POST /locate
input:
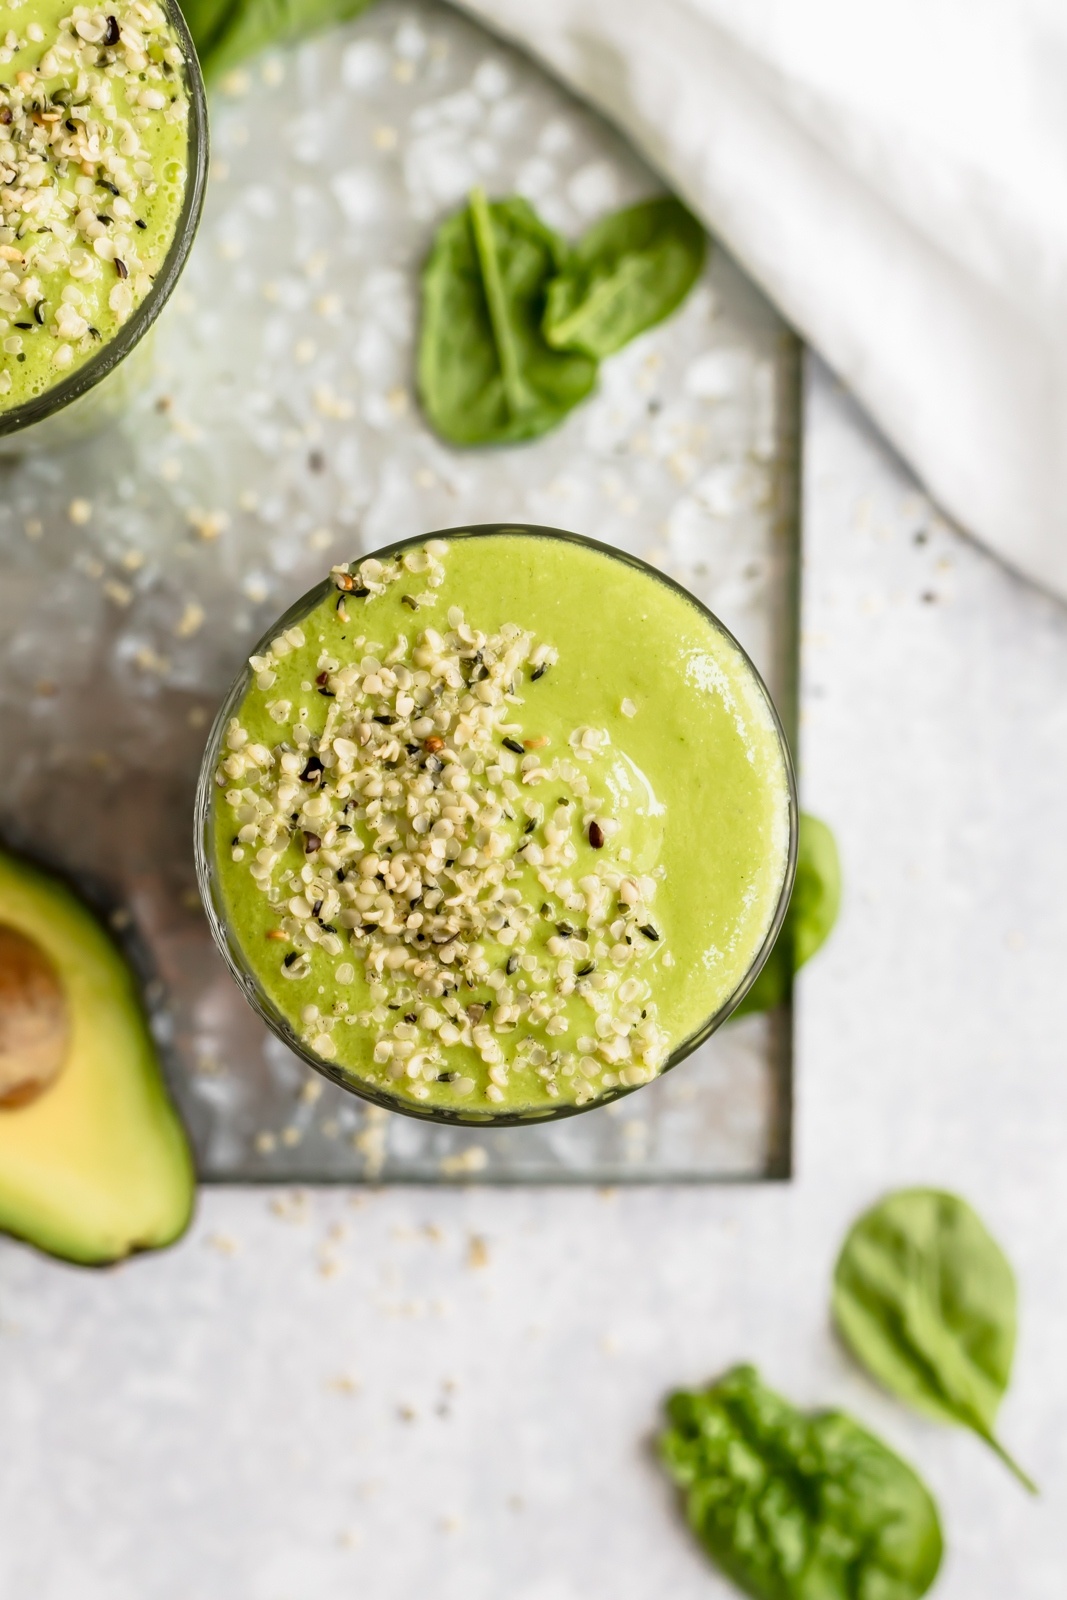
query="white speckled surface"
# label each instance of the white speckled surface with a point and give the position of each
(265, 1413)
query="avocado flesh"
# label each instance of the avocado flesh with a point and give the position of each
(97, 1165)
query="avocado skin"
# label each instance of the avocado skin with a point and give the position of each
(99, 1165)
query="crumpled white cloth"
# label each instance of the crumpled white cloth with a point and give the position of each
(894, 174)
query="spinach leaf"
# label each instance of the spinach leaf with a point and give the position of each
(206, 19)
(628, 273)
(925, 1298)
(796, 1506)
(812, 913)
(226, 31)
(486, 374)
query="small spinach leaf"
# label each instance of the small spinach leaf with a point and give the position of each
(206, 20)
(812, 913)
(796, 1506)
(486, 374)
(226, 31)
(628, 273)
(925, 1298)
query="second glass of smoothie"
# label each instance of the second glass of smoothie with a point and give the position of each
(496, 825)
(103, 157)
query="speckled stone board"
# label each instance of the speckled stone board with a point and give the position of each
(280, 433)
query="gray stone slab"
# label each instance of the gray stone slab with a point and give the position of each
(280, 434)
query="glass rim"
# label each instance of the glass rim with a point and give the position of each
(233, 953)
(84, 378)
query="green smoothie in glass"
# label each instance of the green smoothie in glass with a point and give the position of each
(94, 156)
(500, 824)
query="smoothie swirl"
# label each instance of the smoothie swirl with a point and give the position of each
(93, 151)
(454, 851)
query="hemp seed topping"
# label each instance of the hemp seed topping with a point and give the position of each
(410, 853)
(78, 127)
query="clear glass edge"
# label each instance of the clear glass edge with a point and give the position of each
(55, 399)
(264, 1006)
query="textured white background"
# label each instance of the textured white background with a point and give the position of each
(352, 1398)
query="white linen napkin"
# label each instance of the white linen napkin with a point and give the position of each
(894, 174)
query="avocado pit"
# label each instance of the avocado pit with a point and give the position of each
(34, 1020)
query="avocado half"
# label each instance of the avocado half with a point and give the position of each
(94, 1161)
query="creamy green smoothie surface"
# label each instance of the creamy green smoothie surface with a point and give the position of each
(500, 823)
(93, 153)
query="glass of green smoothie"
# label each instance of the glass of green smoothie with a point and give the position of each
(496, 825)
(103, 159)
